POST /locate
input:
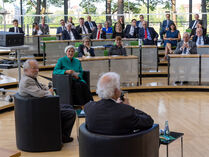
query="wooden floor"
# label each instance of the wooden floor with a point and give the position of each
(186, 112)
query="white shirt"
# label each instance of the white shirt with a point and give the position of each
(140, 24)
(131, 32)
(194, 25)
(16, 30)
(71, 35)
(187, 49)
(84, 27)
(91, 25)
(201, 42)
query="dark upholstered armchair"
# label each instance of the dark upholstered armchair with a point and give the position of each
(38, 124)
(140, 144)
(63, 84)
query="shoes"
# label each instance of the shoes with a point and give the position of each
(67, 140)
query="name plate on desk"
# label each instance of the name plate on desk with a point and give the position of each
(11, 39)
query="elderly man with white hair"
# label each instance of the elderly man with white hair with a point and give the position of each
(70, 33)
(186, 46)
(110, 115)
(29, 86)
(199, 38)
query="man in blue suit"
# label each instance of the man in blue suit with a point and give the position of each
(91, 25)
(62, 27)
(165, 25)
(148, 34)
(139, 23)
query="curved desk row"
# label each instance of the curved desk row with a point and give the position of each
(125, 66)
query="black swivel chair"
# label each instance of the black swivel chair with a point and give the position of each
(140, 144)
(63, 83)
(38, 123)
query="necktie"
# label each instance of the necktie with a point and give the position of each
(16, 29)
(91, 25)
(194, 25)
(145, 34)
(167, 24)
(84, 30)
(199, 41)
(69, 35)
(98, 36)
(185, 50)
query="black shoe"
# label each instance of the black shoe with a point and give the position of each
(67, 140)
(185, 82)
(177, 82)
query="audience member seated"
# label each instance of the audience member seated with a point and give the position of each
(147, 34)
(98, 33)
(199, 25)
(70, 21)
(165, 26)
(70, 65)
(44, 27)
(171, 38)
(62, 27)
(85, 48)
(121, 22)
(107, 28)
(36, 29)
(139, 23)
(70, 34)
(118, 31)
(111, 115)
(199, 38)
(90, 25)
(193, 23)
(29, 86)
(186, 46)
(16, 29)
(117, 49)
(81, 28)
(131, 31)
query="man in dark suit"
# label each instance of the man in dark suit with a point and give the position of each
(147, 34)
(112, 115)
(131, 31)
(43, 26)
(98, 33)
(118, 48)
(199, 38)
(193, 23)
(81, 28)
(62, 27)
(91, 25)
(186, 46)
(16, 29)
(165, 25)
(70, 34)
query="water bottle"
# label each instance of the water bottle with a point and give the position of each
(166, 130)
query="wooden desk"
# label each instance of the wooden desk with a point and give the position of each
(9, 153)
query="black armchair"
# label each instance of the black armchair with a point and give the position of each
(38, 123)
(140, 144)
(63, 84)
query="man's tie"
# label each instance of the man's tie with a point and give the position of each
(145, 34)
(167, 24)
(69, 35)
(98, 36)
(91, 25)
(199, 41)
(185, 50)
(16, 29)
(84, 30)
(37, 83)
(194, 25)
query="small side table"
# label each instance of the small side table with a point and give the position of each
(176, 135)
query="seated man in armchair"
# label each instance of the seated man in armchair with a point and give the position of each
(111, 115)
(29, 86)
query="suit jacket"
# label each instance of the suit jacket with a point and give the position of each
(30, 87)
(81, 51)
(79, 29)
(192, 45)
(94, 34)
(111, 118)
(44, 29)
(127, 30)
(66, 36)
(12, 29)
(115, 34)
(115, 50)
(194, 31)
(164, 24)
(137, 23)
(153, 33)
(205, 39)
(59, 30)
(88, 27)
(192, 23)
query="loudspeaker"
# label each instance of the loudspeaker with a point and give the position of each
(8, 39)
